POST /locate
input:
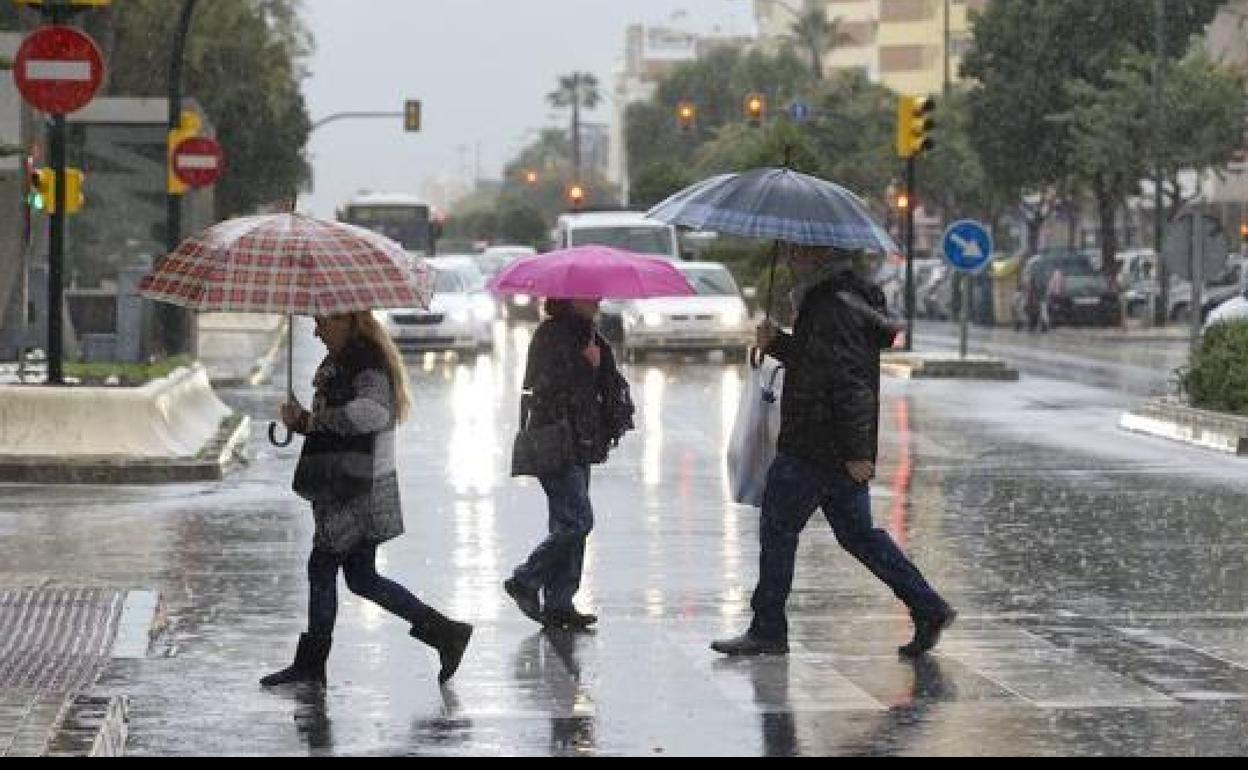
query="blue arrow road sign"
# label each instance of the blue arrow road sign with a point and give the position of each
(799, 111)
(967, 246)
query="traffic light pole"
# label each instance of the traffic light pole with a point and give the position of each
(56, 233)
(174, 321)
(908, 224)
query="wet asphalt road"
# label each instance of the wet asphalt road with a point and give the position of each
(1100, 576)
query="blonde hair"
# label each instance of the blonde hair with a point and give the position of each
(365, 326)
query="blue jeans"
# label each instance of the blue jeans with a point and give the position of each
(794, 490)
(359, 566)
(555, 565)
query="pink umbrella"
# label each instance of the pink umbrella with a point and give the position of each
(591, 272)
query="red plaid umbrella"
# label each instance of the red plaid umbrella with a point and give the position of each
(289, 264)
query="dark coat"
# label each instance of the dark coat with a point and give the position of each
(830, 408)
(563, 385)
(347, 467)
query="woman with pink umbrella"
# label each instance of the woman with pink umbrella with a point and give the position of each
(574, 407)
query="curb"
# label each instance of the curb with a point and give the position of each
(913, 367)
(1168, 419)
(211, 464)
(94, 726)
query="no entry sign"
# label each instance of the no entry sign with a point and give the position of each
(58, 69)
(197, 161)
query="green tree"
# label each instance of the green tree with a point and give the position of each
(657, 181)
(576, 91)
(518, 221)
(1024, 55)
(244, 61)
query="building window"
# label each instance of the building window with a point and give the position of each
(907, 10)
(857, 33)
(902, 58)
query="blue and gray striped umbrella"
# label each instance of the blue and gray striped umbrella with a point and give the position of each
(777, 204)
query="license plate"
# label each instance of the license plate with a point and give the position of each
(1087, 301)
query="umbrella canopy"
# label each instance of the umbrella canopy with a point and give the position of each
(777, 204)
(289, 264)
(591, 272)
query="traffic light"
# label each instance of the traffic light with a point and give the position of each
(755, 106)
(914, 124)
(188, 126)
(576, 196)
(1243, 231)
(686, 116)
(411, 115)
(42, 189)
(530, 177)
(903, 202)
(42, 196)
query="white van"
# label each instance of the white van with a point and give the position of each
(627, 230)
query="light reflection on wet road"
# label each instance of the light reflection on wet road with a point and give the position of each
(1101, 579)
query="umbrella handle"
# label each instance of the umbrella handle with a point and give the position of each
(756, 357)
(290, 436)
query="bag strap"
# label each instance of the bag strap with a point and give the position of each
(526, 407)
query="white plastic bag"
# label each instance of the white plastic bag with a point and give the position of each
(752, 446)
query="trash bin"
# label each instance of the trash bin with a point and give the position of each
(1005, 277)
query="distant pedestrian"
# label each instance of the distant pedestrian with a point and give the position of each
(827, 449)
(571, 377)
(347, 471)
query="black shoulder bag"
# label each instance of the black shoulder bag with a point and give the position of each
(543, 450)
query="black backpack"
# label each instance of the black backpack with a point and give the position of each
(617, 405)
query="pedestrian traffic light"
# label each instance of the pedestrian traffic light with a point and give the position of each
(576, 196)
(42, 196)
(903, 202)
(42, 187)
(755, 106)
(188, 126)
(914, 124)
(686, 116)
(411, 115)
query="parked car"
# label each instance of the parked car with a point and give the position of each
(1236, 307)
(1079, 295)
(715, 318)
(460, 317)
(1220, 288)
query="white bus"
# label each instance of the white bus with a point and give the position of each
(404, 218)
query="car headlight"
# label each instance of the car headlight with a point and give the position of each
(483, 310)
(522, 300)
(732, 317)
(460, 316)
(653, 319)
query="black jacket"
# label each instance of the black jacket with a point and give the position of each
(563, 385)
(830, 408)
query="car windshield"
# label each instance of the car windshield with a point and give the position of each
(448, 281)
(490, 264)
(711, 281)
(642, 239)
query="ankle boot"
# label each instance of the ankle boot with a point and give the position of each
(450, 639)
(309, 665)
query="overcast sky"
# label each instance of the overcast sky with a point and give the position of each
(482, 69)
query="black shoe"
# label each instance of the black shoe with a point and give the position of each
(746, 644)
(309, 665)
(927, 630)
(570, 618)
(451, 650)
(526, 599)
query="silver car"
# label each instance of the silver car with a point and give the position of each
(459, 317)
(715, 318)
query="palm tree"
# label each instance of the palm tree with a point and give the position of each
(580, 89)
(817, 34)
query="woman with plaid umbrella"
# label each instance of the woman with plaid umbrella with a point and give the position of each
(297, 265)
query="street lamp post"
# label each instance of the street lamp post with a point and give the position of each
(1161, 309)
